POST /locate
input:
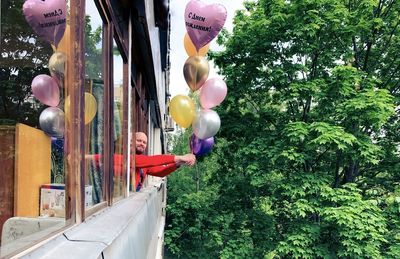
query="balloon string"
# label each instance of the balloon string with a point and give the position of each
(197, 178)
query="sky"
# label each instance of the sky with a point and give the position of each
(178, 29)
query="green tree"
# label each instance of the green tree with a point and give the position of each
(93, 52)
(316, 173)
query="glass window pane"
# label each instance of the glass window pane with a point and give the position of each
(119, 175)
(94, 109)
(32, 171)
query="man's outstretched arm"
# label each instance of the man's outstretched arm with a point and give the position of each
(143, 161)
(162, 170)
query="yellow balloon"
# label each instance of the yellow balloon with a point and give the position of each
(191, 49)
(65, 43)
(182, 110)
(195, 71)
(90, 107)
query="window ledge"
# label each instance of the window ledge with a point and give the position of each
(131, 225)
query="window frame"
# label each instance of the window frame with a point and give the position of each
(111, 32)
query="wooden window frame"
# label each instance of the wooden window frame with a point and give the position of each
(74, 139)
(112, 32)
(75, 206)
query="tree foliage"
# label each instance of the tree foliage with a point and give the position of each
(23, 56)
(307, 160)
(93, 52)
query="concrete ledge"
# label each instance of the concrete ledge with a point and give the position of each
(20, 232)
(125, 230)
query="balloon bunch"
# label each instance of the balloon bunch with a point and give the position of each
(203, 23)
(48, 18)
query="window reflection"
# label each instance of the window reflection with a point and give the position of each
(119, 175)
(32, 171)
(94, 109)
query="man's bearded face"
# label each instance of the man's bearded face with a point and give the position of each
(141, 143)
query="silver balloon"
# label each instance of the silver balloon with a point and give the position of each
(52, 121)
(206, 124)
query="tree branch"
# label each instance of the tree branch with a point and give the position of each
(339, 159)
(388, 8)
(371, 39)
(355, 50)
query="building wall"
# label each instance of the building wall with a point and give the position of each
(154, 33)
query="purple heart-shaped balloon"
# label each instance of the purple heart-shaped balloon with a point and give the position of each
(47, 18)
(204, 22)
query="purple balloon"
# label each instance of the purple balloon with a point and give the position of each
(201, 147)
(46, 90)
(47, 18)
(204, 22)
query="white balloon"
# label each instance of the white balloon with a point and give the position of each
(206, 124)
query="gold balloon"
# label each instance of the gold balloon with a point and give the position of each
(57, 64)
(65, 43)
(90, 107)
(196, 71)
(191, 49)
(64, 46)
(182, 110)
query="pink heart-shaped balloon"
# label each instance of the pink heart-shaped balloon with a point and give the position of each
(47, 18)
(203, 22)
(46, 90)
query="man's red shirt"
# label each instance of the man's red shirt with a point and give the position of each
(157, 165)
